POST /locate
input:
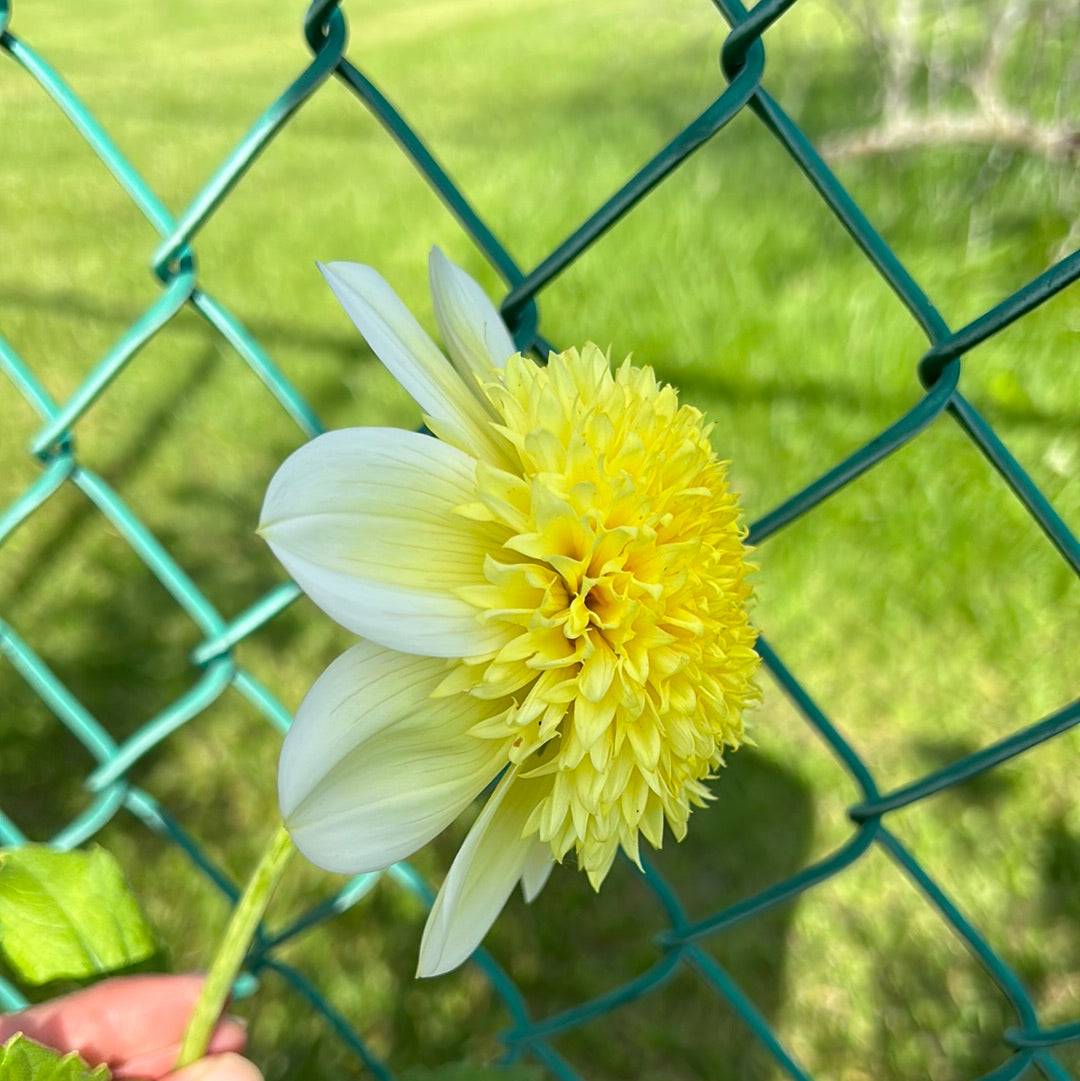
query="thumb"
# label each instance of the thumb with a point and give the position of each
(225, 1067)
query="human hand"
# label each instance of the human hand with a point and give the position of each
(134, 1024)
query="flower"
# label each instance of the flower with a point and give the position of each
(551, 592)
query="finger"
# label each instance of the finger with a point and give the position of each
(227, 1067)
(229, 1036)
(124, 1019)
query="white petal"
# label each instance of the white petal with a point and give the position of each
(470, 324)
(410, 355)
(490, 862)
(363, 520)
(537, 871)
(373, 767)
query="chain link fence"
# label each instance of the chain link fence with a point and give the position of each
(1028, 1045)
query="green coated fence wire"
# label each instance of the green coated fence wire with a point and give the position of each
(1029, 1046)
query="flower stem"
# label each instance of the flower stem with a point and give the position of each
(233, 947)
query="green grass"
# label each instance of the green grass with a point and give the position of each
(920, 606)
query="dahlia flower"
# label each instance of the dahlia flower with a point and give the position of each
(549, 594)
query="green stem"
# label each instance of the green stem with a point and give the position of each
(233, 948)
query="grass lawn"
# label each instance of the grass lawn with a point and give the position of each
(920, 607)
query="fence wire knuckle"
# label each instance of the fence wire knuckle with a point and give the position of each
(1027, 1043)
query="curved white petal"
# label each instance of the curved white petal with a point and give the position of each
(373, 767)
(410, 355)
(537, 871)
(470, 324)
(363, 520)
(489, 863)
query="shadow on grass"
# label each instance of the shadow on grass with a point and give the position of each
(744, 389)
(1059, 862)
(577, 945)
(90, 610)
(939, 1011)
(86, 589)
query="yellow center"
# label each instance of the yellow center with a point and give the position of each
(621, 586)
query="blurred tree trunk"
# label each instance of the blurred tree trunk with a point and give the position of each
(957, 71)
(999, 74)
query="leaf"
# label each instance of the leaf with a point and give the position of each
(68, 915)
(22, 1059)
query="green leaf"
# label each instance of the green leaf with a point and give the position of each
(68, 915)
(24, 1060)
